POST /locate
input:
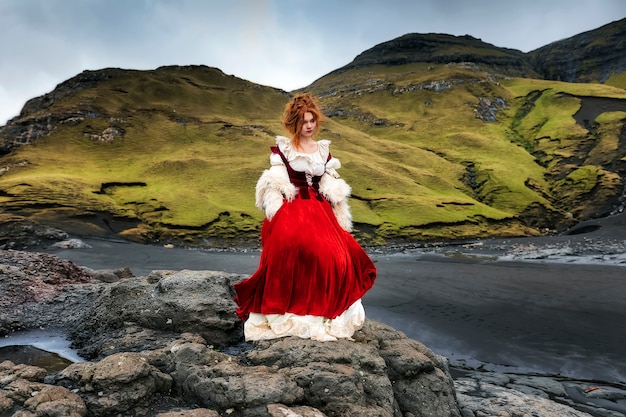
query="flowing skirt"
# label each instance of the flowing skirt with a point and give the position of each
(311, 276)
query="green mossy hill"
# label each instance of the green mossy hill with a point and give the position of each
(167, 154)
(450, 149)
(595, 56)
(476, 153)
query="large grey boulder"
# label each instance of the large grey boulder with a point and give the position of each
(380, 373)
(140, 313)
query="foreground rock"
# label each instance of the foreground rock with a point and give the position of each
(35, 290)
(170, 344)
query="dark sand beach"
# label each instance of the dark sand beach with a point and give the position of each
(550, 305)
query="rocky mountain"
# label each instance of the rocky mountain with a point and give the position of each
(595, 56)
(444, 49)
(441, 137)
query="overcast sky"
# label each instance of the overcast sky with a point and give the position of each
(286, 44)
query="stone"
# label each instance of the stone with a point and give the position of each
(198, 412)
(54, 401)
(280, 410)
(150, 312)
(485, 399)
(23, 392)
(215, 379)
(10, 372)
(111, 275)
(123, 383)
(71, 244)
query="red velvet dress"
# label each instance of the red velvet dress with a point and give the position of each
(311, 270)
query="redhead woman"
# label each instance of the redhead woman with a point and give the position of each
(312, 273)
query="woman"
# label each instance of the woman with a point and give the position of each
(312, 272)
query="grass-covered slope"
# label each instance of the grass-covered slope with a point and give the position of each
(430, 150)
(175, 148)
(480, 154)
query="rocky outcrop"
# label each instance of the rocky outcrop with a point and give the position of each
(498, 394)
(35, 121)
(175, 335)
(170, 344)
(148, 312)
(591, 56)
(41, 280)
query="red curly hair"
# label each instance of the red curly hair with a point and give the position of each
(293, 115)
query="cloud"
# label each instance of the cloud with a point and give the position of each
(281, 43)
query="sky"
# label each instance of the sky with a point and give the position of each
(286, 44)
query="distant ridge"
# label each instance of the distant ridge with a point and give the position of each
(597, 55)
(442, 48)
(594, 56)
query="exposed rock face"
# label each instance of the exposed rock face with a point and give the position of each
(35, 279)
(588, 57)
(157, 336)
(118, 384)
(509, 395)
(24, 392)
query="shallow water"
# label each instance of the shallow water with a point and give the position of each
(30, 355)
(45, 348)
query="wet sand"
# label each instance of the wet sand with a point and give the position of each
(548, 318)
(559, 317)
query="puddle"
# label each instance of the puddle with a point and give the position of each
(45, 348)
(30, 355)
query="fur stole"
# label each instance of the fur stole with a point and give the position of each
(272, 188)
(337, 191)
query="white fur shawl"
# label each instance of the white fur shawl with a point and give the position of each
(272, 188)
(337, 191)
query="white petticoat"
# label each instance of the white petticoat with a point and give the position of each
(272, 326)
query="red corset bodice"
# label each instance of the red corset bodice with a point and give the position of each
(306, 184)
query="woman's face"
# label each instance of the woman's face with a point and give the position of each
(308, 127)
